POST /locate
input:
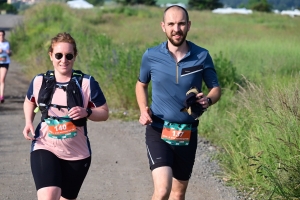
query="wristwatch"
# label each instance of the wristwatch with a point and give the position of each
(89, 112)
(209, 101)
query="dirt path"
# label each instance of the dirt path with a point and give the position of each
(119, 169)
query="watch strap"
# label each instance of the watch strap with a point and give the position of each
(89, 112)
(209, 101)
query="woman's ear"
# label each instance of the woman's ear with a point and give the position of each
(50, 55)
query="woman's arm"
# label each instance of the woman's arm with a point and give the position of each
(29, 117)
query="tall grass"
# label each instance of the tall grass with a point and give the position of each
(261, 139)
(256, 122)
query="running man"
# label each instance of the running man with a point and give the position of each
(174, 67)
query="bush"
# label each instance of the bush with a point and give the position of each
(227, 74)
(8, 8)
(260, 5)
(137, 2)
(204, 4)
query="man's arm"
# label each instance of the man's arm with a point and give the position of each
(141, 92)
(214, 94)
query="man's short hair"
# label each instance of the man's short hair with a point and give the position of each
(185, 11)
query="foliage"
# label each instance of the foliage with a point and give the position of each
(227, 74)
(284, 120)
(128, 11)
(262, 142)
(204, 4)
(260, 5)
(96, 2)
(276, 4)
(137, 2)
(8, 8)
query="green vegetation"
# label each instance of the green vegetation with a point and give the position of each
(276, 4)
(256, 123)
(7, 8)
(260, 5)
(204, 5)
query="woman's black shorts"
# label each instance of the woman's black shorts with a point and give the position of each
(4, 65)
(49, 170)
(180, 158)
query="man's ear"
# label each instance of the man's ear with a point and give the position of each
(162, 24)
(189, 25)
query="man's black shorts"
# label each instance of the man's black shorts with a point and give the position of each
(180, 158)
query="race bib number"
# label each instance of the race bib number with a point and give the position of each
(61, 129)
(176, 134)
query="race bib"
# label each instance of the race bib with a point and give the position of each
(61, 129)
(3, 58)
(176, 134)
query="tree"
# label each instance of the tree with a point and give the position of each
(260, 5)
(8, 8)
(136, 2)
(205, 4)
(276, 4)
(96, 2)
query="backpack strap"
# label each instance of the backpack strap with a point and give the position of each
(75, 96)
(46, 93)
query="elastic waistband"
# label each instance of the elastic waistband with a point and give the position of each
(160, 121)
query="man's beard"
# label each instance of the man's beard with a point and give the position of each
(177, 43)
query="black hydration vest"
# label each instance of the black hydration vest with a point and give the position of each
(73, 92)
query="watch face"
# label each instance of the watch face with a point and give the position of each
(89, 111)
(209, 101)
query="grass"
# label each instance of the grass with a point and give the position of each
(255, 125)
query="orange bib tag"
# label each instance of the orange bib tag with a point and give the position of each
(2, 58)
(176, 134)
(61, 129)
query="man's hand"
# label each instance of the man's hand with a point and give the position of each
(145, 117)
(202, 100)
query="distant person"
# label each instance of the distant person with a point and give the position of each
(5, 52)
(60, 152)
(176, 68)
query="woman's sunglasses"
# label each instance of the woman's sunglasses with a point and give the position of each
(59, 56)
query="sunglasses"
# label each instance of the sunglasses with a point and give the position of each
(59, 56)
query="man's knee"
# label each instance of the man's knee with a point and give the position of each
(177, 195)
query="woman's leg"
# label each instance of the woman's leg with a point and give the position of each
(46, 171)
(3, 72)
(73, 175)
(49, 193)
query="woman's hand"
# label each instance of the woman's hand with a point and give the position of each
(77, 113)
(27, 130)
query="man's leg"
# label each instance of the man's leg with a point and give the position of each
(162, 179)
(178, 189)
